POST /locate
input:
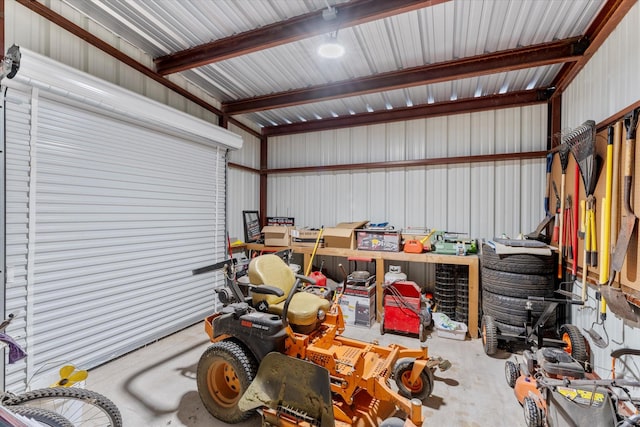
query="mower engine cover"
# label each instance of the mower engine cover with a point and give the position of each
(557, 362)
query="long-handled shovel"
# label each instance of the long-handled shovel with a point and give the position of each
(615, 297)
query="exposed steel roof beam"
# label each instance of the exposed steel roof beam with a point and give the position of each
(467, 105)
(497, 62)
(294, 29)
(602, 26)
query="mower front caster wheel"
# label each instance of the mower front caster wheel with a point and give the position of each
(511, 373)
(420, 389)
(532, 413)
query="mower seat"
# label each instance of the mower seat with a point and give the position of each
(271, 270)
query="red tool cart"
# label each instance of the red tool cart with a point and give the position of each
(406, 311)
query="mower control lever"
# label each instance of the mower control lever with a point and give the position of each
(267, 290)
(306, 279)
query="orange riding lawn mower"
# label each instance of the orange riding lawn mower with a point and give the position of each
(280, 351)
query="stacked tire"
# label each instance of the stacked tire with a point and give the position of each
(507, 283)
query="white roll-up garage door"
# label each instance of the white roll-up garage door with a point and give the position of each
(111, 201)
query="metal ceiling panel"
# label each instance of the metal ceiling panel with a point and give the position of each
(532, 78)
(443, 32)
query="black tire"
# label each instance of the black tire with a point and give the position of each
(532, 414)
(511, 373)
(517, 285)
(575, 343)
(43, 416)
(517, 263)
(97, 410)
(512, 311)
(392, 422)
(489, 335)
(224, 373)
(423, 386)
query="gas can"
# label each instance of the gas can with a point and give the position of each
(394, 274)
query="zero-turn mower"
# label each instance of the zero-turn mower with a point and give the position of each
(281, 351)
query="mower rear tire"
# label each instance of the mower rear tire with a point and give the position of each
(224, 373)
(511, 373)
(532, 414)
(422, 387)
(489, 335)
(575, 343)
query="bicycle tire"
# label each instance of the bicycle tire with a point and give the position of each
(81, 407)
(43, 416)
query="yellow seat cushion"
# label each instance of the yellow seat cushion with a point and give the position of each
(303, 309)
(273, 271)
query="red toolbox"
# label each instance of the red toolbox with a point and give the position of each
(402, 303)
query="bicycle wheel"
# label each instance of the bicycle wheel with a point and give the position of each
(43, 416)
(82, 407)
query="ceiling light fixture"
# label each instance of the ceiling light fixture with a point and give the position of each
(330, 48)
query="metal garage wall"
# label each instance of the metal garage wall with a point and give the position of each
(112, 200)
(482, 199)
(607, 84)
(243, 185)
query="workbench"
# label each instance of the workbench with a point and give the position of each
(472, 261)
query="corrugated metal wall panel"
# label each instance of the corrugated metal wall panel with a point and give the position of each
(609, 82)
(26, 29)
(480, 199)
(243, 186)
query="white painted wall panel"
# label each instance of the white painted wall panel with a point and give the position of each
(609, 82)
(243, 186)
(482, 199)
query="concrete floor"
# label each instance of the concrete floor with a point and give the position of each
(156, 386)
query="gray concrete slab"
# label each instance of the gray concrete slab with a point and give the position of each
(156, 386)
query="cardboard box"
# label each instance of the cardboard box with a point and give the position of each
(358, 305)
(378, 240)
(276, 235)
(342, 235)
(303, 237)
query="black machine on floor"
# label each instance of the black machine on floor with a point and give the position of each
(534, 334)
